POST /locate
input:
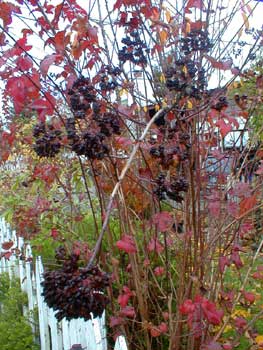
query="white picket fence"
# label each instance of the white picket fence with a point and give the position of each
(54, 335)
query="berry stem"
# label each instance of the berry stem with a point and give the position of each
(118, 184)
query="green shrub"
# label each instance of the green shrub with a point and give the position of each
(15, 329)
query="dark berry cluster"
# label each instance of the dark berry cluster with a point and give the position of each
(220, 104)
(186, 78)
(107, 84)
(82, 94)
(170, 189)
(196, 40)
(134, 49)
(73, 291)
(47, 140)
(90, 144)
(89, 136)
(108, 122)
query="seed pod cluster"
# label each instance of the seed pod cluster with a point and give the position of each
(74, 291)
(47, 140)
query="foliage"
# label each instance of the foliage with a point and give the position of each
(113, 146)
(247, 93)
(15, 328)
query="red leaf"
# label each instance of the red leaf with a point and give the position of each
(259, 82)
(187, 307)
(241, 189)
(60, 41)
(6, 10)
(223, 262)
(6, 255)
(159, 271)
(116, 321)
(213, 345)
(248, 204)
(127, 244)
(163, 220)
(24, 63)
(257, 276)
(198, 4)
(250, 297)
(54, 233)
(235, 258)
(124, 298)
(212, 315)
(240, 324)
(223, 65)
(155, 332)
(43, 107)
(163, 327)
(224, 127)
(128, 311)
(7, 245)
(214, 208)
(123, 141)
(47, 62)
(16, 88)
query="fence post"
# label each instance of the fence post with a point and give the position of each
(42, 309)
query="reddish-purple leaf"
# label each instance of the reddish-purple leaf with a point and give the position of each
(127, 244)
(163, 220)
(163, 327)
(54, 233)
(24, 63)
(259, 82)
(240, 324)
(48, 61)
(198, 4)
(249, 296)
(116, 321)
(155, 246)
(223, 65)
(258, 276)
(159, 271)
(213, 315)
(213, 345)
(223, 262)
(123, 298)
(7, 245)
(235, 258)
(187, 307)
(6, 255)
(6, 11)
(128, 311)
(214, 208)
(224, 127)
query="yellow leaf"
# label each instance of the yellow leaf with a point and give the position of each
(228, 328)
(162, 78)
(246, 23)
(188, 27)
(242, 313)
(168, 16)
(163, 36)
(189, 104)
(240, 32)
(123, 92)
(156, 107)
(259, 340)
